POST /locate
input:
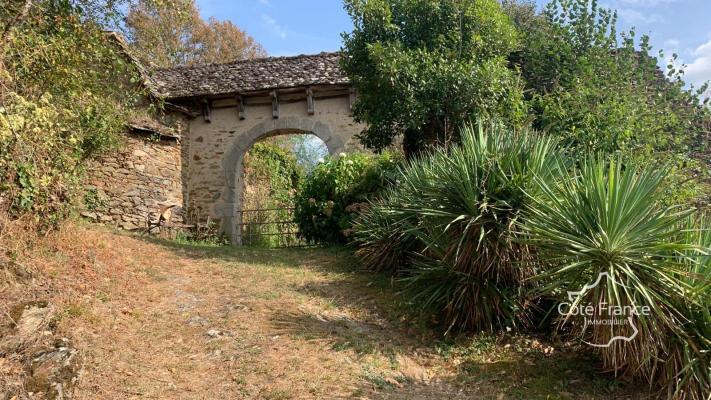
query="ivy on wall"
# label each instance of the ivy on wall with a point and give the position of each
(66, 91)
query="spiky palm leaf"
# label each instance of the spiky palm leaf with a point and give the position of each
(687, 371)
(461, 206)
(604, 218)
(383, 237)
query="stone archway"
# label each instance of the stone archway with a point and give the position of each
(232, 194)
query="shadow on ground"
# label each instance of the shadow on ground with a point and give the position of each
(319, 256)
(399, 355)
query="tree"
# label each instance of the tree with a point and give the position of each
(66, 93)
(422, 68)
(11, 15)
(171, 33)
(602, 91)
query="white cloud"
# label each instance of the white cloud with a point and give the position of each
(704, 49)
(698, 71)
(633, 16)
(264, 2)
(671, 44)
(648, 2)
(670, 47)
(274, 26)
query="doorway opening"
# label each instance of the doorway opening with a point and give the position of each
(273, 169)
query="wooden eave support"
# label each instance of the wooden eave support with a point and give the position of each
(275, 104)
(207, 110)
(241, 107)
(310, 104)
(351, 98)
(187, 111)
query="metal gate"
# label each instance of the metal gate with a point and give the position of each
(270, 227)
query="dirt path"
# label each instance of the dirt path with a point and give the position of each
(208, 324)
(158, 320)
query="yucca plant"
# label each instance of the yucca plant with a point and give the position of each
(385, 233)
(606, 219)
(457, 211)
(383, 237)
(686, 374)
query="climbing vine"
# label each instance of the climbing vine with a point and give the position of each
(66, 90)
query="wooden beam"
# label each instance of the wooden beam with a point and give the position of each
(351, 98)
(189, 111)
(275, 104)
(310, 106)
(241, 107)
(207, 110)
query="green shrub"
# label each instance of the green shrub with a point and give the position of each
(66, 90)
(423, 68)
(272, 176)
(481, 232)
(450, 226)
(38, 166)
(330, 196)
(276, 169)
(93, 200)
(606, 218)
(600, 90)
(384, 237)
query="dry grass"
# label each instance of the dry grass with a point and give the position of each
(282, 324)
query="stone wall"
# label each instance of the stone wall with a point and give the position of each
(215, 149)
(125, 188)
(201, 173)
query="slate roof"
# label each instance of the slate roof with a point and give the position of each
(143, 69)
(249, 75)
(150, 126)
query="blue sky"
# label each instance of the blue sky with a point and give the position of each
(290, 27)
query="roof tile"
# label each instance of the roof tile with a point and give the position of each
(250, 75)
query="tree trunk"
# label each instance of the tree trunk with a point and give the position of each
(430, 136)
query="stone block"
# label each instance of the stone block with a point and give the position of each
(89, 214)
(54, 372)
(129, 226)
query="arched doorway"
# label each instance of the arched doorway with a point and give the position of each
(234, 162)
(274, 170)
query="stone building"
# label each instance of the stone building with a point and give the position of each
(220, 110)
(129, 187)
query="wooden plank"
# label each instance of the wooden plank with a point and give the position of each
(270, 223)
(189, 111)
(275, 104)
(241, 107)
(262, 100)
(298, 90)
(310, 105)
(351, 98)
(207, 110)
(256, 93)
